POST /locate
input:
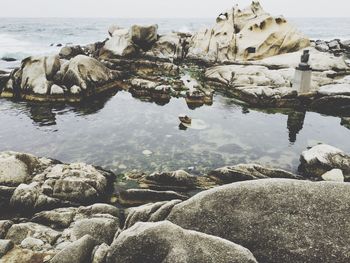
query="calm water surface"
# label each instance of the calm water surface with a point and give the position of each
(113, 132)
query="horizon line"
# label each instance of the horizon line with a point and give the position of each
(110, 17)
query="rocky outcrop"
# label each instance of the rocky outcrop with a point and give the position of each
(335, 46)
(278, 220)
(247, 34)
(49, 78)
(318, 160)
(129, 42)
(166, 242)
(43, 183)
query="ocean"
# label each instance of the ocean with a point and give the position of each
(22, 37)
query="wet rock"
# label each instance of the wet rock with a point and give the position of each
(331, 104)
(144, 36)
(278, 220)
(166, 242)
(101, 229)
(247, 34)
(135, 197)
(18, 232)
(322, 158)
(345, 122)
(5, 246)
(152, 212)
(78, 252)
(177, 180)
(244, 172)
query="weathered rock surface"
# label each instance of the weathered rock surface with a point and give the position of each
(166, 242)
(78, 252)
(278, 220)
(43, 183)
(244, 172)
(135, 197)
(5, 246)
(177, 180)
(247, 34)
(322, 158)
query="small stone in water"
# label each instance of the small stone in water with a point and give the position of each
(122, 166)
(146, 152)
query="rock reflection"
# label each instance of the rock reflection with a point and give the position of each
(295, 124)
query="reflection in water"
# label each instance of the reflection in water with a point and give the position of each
(295, 124)
(114, 131)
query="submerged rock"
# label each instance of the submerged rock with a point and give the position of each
(278, 220)
(166, 242)
(247, 34)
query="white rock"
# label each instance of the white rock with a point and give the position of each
(335, 89)
(75, 89)
(335, 175)
(147, 152)
(56, 90)
(320, 153)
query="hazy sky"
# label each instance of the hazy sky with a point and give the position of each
(165, 8)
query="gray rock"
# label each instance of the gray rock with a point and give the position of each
(32, 243)
(322, 158)
(334, 44)
(278, 220)
(69, 52)
(18, 232)
(177, 180)
(243, 172)
(345, 122)
(323, 47)
(135, 197)
(100, 254)
(166, 242)
(5, 246)
(153, 212)
(78, 252)
(57, 218)
(101, 229)
(334, 90)
(331, 104)
(4, 227)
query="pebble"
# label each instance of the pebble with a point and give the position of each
(147, 152)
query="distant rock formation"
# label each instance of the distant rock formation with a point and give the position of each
(247, 34)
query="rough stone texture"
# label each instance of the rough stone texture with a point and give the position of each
(177, 180)
(87, 73)
(278, 220)
(237, 31)
(4, 227)
(17, 168)
(101, 229)
(18, 232)
(167, 46)
(318, 60)
(334, 90)
(152, 212)
(244, 172)
(78, 252)
(144, 36)
(100, 254)
(166, 242)
(322, 158)
(5, 246)
(119, 44)
(35, 76)
(135, 197)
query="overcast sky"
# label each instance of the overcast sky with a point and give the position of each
(166, 8)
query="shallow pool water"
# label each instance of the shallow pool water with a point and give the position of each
(122, 133)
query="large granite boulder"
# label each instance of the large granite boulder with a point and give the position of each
(278, 220)
(166, 242)
(129, 42)
(88, 74)
(323, 158)
(247, 34)
(35, 76)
